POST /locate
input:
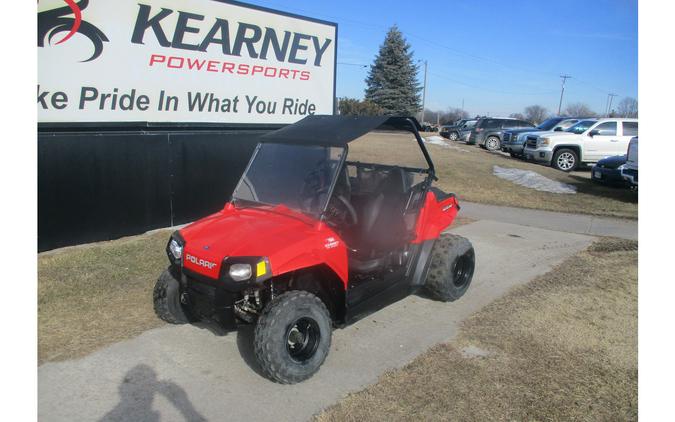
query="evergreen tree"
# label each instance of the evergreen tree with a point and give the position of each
(392, 80)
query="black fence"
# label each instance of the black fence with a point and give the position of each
(102, 185)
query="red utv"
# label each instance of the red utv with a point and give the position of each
(310, 241)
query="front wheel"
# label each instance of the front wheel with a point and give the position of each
(454, 136)
(565, 159)
(292, 337)
(452, 264)
(492, 143)
(166, 300)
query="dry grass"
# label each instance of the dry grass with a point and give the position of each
(467, 171)
(563, 347)
(93, 295)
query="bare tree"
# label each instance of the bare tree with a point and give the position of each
(452, 115)
(579, 110)
(628, 107)
(535, 114)
(519, 116)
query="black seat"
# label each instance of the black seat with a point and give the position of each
(381, 223)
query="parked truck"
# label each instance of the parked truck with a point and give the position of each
(586, 142)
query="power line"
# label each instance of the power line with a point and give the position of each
(352, 64)
(489, 89)
(503, 66)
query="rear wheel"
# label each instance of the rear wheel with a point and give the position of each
(292, 337)
(166, 300)
(492, 143)
(452, 264)
(453, 136)
(565, 159)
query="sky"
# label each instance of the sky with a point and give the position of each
(495, 56)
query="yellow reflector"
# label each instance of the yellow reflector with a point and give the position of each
(260, 269)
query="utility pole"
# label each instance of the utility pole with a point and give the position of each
(562, 91)
(424, 91)
(610, 99)
(462, 107)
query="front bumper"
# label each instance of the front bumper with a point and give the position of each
(606, 175)
(210, 300)
(513, 148)
(538, 154)
(630, 175)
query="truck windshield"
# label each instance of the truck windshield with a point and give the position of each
(581, 127)
(297, 176)
(548, 124)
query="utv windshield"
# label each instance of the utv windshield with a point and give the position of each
(297, 176)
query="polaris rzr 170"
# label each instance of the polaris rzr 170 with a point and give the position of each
(311, 240)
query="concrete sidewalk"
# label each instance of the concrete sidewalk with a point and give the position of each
(187, 373)
(558, 221)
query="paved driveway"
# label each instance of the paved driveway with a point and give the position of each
(186, 373)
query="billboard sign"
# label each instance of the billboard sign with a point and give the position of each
(197, 61)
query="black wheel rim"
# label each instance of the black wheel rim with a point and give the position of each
(302, 339)
(463, 269)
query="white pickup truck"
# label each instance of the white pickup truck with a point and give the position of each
(588, 141)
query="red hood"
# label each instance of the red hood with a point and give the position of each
(284, 236)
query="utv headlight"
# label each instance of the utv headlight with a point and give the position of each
(176, 249)
(252, 269)
(240, 272)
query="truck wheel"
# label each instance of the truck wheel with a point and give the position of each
(292, 337)
(452, 264)
(492, 143)
(166, 298)
(453, 136)
(565, 159)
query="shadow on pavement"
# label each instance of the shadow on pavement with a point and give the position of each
(245, 335)
(137, 393)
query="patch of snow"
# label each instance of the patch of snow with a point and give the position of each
(474, 352)
(533, 180)
(440, 141)
(436, 140)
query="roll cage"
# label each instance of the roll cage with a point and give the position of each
(339, 131)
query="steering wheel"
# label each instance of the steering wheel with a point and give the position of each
(316, 183)
(341, 211)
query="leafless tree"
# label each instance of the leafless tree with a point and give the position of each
(628, 107)
(519, 116)
(579, 110)
(452, 115)
(535, 114)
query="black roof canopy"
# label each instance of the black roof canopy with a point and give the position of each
(338, 130)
